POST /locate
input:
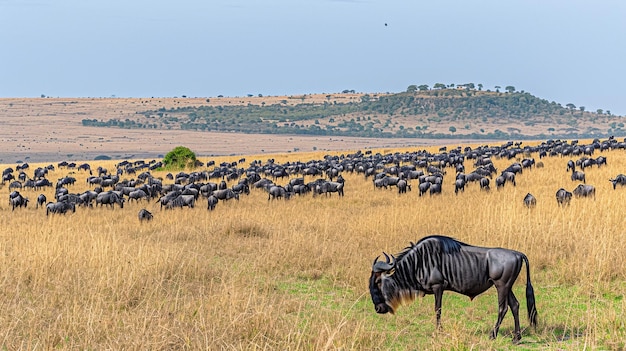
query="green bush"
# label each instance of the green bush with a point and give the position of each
(179, 158)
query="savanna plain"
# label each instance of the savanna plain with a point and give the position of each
(259, 274)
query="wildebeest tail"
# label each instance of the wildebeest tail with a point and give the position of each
(530, 296)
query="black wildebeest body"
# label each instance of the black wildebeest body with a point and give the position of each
(41, 200)
(226, 194)
(584, 190)
(212, 202)
(484, 183)
(620, 179)
(578, 175)
(563, 197)
(60, 207)
(109, 198)
(438, 263)
(530, 200)
(423, 188)
(17, 200)
(144, 215)
(181, 201)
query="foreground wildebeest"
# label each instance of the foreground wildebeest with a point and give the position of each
(563, 197)
(60, 207)
(226, 194)
(530, 200)
(439, 263)
(584, 190)
(620, 179)
(144, 215)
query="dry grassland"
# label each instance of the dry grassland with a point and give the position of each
(292, 275)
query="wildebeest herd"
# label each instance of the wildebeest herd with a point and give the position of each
(211, 184)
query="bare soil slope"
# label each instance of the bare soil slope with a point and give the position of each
(50, 129)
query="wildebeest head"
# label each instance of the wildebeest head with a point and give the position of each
(380, 271)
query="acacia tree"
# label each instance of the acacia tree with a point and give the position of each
(179, 158)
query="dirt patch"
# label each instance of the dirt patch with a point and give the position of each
(50, 129)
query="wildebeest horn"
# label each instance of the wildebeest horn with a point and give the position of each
(380, 266)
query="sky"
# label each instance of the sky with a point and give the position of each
(568, 51)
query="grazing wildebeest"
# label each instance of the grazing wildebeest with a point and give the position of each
(423, 188)
(530, 200)
(435, 189)
(144, 215)
(500, 180)
(277, 191)
(138, 195)
(571, 165)
(226, 194)
(212, 202)
(439, 263)
(181, 201)
(403, 185)
(563, 197)
(620, 179)
(584, 190)
(41, 200)
(578, 175)
(484, 183)
(17, 200)
(327, 188)
(60, 207)
(109, 198)
(459, 184)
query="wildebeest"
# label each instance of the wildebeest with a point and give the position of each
(578, 175)
(109, 198)
(585, 190)
(17, 200)
(435, 189)
(484, 183)
(277, 191)
(41, 200)
(563, 197)
(144, 215)
(530, 200)
(423, 188)
(60, 207)
(459, 184)
(620, 179)
(181, 201)
(212, 202)
(439, 263)
(226, 194)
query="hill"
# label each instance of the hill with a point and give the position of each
(441, 113)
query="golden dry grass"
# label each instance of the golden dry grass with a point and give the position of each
(292, 275)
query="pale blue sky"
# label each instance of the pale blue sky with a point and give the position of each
(566, 51)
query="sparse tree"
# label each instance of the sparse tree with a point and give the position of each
(570, 106)
(439, 86)
(452, 129)
(599, 111)
(497, 87)
(423, 87)
(480, 87)
(412, 88)
(581, 108)
(510, 88)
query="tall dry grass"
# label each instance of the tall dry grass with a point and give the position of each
(292, 275)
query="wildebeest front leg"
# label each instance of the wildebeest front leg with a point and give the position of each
(438, 292)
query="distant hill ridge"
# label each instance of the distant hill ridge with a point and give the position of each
(436, 113)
